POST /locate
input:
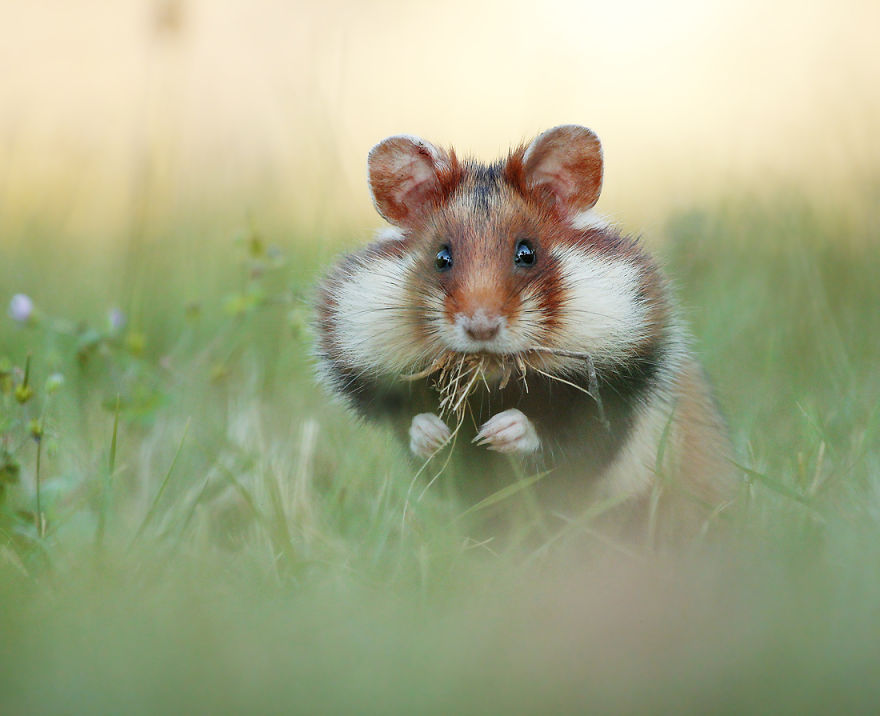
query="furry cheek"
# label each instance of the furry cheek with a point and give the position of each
(375, 323)
(600, 312)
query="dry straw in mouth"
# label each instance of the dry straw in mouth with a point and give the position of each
(457, 376)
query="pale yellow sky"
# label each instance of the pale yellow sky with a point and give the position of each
(272, 104)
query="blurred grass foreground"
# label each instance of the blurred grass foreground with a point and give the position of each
(186, 524)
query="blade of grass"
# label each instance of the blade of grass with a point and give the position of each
(504, 493)
(190, 513)
(41, 523)
(779, 488)
(279, 529)
(659, 479)
(579, 523)
(152, 511)
(111, 468)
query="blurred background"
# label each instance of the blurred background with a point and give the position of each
(186, 523)
(160, 108)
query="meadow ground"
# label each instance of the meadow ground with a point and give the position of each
(189, 525)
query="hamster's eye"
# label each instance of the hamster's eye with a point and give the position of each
(443, 259)
(525, 254)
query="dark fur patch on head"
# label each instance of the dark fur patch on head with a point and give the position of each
(482, 184)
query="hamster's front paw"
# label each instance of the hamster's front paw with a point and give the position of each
(427, 434)
(509, 431)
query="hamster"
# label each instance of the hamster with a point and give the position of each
(576, 360)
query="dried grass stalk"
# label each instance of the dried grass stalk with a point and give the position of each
(458, 375)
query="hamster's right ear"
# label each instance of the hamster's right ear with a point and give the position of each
(408, 176)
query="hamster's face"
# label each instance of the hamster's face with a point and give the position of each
(484, 278)
(496, 259)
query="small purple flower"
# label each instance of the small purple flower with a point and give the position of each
(116, 318)
(21, 308)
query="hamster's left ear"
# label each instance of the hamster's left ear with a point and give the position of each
(564, 165)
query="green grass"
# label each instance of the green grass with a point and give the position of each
(218, 537)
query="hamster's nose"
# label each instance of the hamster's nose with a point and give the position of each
(481, 327)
